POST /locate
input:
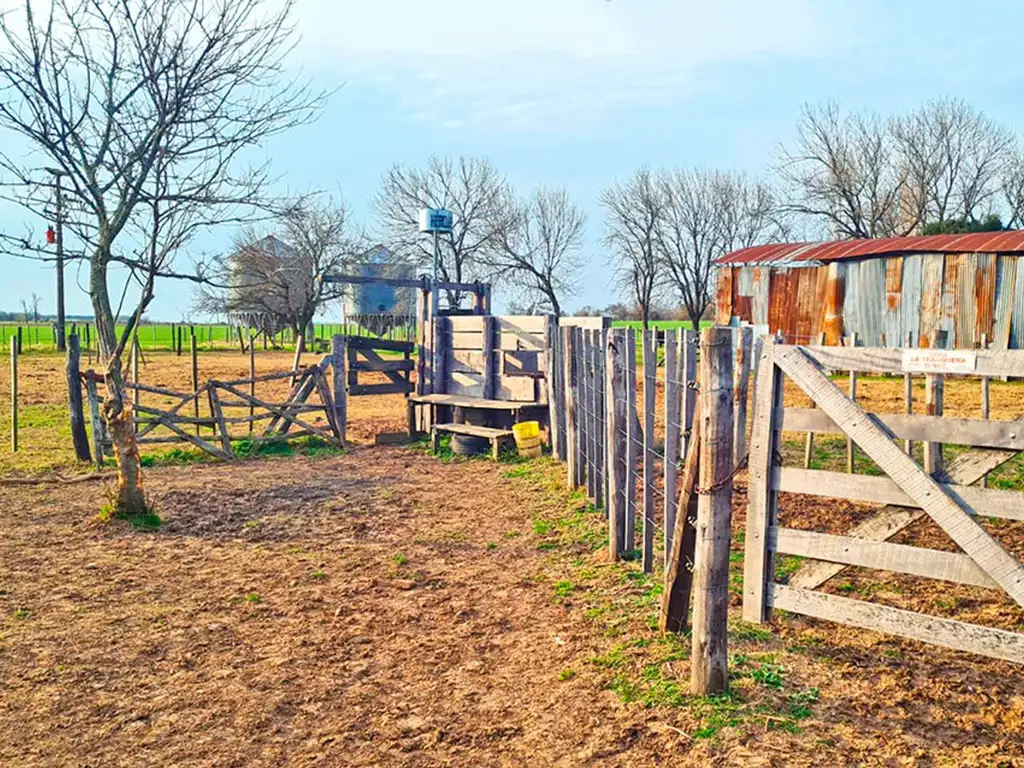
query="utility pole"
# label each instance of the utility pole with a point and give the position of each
(61, 336)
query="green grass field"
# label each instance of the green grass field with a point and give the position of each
(39, 337)
(660, 325)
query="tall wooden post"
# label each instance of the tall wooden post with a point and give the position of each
(440, 355)
(650, 374)
(15, 347)
(338, 379)
(634, 438)
(297, 360)
(252, 381)
(714, 515)
(616, 414)
(741, 384)
(491, 371)
(688, 352)
(673, 434)
(79, 437)
(908, 398)
(934, 386)
(194, 355)
(550, 379)
(851, 449)
(572, 458)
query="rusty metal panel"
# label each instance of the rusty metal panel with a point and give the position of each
(910, 314)
(891, 327)
(1017, 321)
(985, 296)
(947, 319)
(744, 280)
(965, 307)
(932, 270)
(806, 305)
(835, 295)
(863, 307)
(759, 310)
(1006, 277)
(782, 309)
(723, 296)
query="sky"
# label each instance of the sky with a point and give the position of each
(578, 93)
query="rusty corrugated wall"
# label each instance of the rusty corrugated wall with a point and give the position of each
(934, 299)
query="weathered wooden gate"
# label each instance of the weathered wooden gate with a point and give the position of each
(909, 492)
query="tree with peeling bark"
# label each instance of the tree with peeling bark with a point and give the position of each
(634, 212)
(277, 279)
(540, 250)
(146, 109)
(480, 201)
(707, 214)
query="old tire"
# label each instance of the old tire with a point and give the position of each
(469, 445)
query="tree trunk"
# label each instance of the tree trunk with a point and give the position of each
(117, 410)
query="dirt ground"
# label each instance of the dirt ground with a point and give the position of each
(386, 607)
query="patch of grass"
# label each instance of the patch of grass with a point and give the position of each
(564, 589)
(785, 567)
(318, 575)
(512, 534)
(610, 659)
(741, 630)
(800, 703)
(542, 527)
(399, 559)
(145, 520)
(721, 710)
(252, 525)
(252, 599)
(566, 674)
(768, 675)
(21, 613)
(492, 545)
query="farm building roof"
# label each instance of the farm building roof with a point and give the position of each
(794, 253)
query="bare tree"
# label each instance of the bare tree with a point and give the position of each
(708, 214)
(540, 250)
(844, 171)
(478, 197)
(1012, 184)
(953, 155)
(634, 212)
(144, 109)
(275, 281)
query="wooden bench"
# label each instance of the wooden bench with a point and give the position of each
(496, 436)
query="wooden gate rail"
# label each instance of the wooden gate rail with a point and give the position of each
(945, 497)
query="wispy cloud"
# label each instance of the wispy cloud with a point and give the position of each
(549, 63)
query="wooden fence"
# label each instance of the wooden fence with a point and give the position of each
(908, 492)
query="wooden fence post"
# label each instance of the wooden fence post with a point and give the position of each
(673, 435)
(650, 375)
(616, 415)
(551, 353)
(74, 380)
(297, 359)
(194, 355)
(851, 449)
(95, 420)
(934, 386)
(591, 414)
(252, 383)
(741, 385)
(15, 347)
(908, 398)
(440, 355)
(689, 366)
(491, 371)
(714, 515)
(583, 408)
(634, 437)
(338, 380)
(571, 433)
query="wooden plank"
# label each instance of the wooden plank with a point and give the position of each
(850, 447)
(467, 361)
(583, 407)
(933, 394)
(899, 558)
(958, 635)
(459, 401)
(675, 600)
(489, 360)
(76, 412)
(982, 502)
(467, 323)
(516, 388)
(526, 325)
(1004, 569)
(762, 500)
(94, 412)
(364, 343)
(673, 436)
(590, 420)
(709, 666)
(650, 375)
(741, 383)
(523, 363)
(14, 392)
(471, 429)
(689, 363)
(174, 409)
(218, 415)
(380, 389)
(440, 354)
(882, 360)
(992, 434)
(571, 426)
(603, 395)
(511, 342)
(908, 399)
(615, 425)
(966, 469)
(284, 414)
(301, 390)
(328, 401)
(381, 366)
(550, 363)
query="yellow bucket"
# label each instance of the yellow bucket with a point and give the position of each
(527, 435)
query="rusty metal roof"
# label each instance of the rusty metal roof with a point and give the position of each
(794, 253)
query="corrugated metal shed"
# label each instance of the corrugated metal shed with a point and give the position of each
(1006, 277)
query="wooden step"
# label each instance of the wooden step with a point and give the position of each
(463, 401)
(489, 433)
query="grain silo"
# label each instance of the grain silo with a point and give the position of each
(951, 291)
